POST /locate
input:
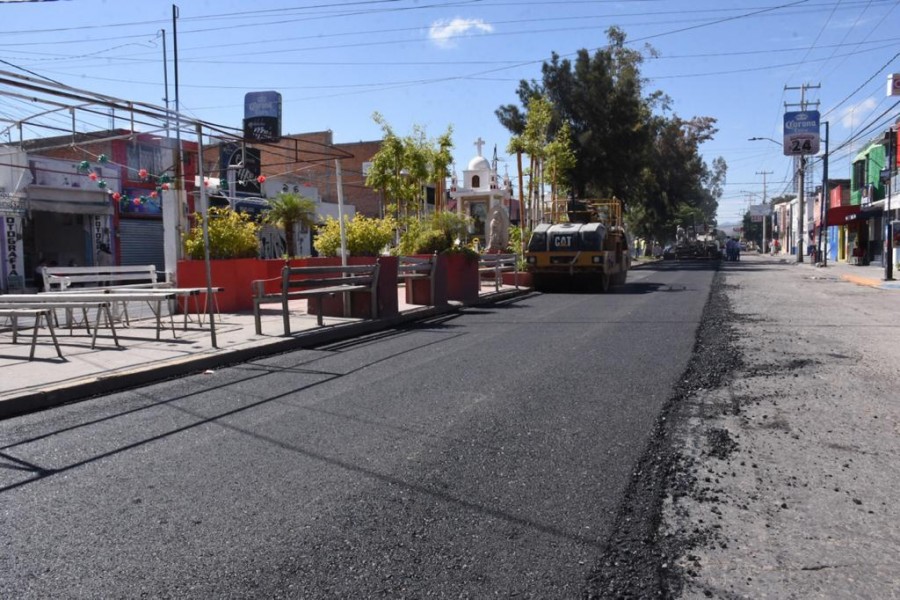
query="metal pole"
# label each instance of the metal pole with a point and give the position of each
(765, 210)
(165, 79)
(340, 194)
(888, 241)
(204, 211)
(825, 198)
(801, 225)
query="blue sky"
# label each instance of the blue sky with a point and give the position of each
(436, 63)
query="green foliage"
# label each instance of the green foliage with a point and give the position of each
(516, 238)
(365, 236)
(287, 210)
(437, 233)
(405, 165)
(231, 235)
(625, 142)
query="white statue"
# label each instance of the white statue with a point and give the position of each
(498, 230)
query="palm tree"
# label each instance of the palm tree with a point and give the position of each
(286, 211)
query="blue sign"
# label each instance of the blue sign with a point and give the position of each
(801, 133)
(262, 104)
(262, 116)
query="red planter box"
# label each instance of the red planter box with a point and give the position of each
(234, 275)
(523, 278)
(361, 302)
(418, 291)
(462, 278)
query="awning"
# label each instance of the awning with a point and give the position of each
(68, 200)
(871, 211)
(839, 215)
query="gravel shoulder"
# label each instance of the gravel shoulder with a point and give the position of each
(783, 475)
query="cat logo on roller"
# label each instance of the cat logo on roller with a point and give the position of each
(589, 245)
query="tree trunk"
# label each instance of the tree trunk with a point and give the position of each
(289, 239)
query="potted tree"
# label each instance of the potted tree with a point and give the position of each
(440, 234)
(287, 211)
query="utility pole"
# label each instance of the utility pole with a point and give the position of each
(765, 209)
(888, 253)
(825, 200)
(801, 212)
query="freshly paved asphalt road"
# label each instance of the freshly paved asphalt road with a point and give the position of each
(481, 454)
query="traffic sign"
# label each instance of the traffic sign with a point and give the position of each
(801, 132)
(759, 210)
(893, 87)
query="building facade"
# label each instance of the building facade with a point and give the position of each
(85, 199)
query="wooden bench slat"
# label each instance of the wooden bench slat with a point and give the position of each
(314, 283)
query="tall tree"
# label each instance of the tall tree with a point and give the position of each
(623, 142)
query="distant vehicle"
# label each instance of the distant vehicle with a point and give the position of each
(253, 206)
(693, 245)
(669, 253)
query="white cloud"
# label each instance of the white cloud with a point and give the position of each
(444, 33)
(853, 116)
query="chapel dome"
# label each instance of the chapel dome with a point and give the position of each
(479, 163)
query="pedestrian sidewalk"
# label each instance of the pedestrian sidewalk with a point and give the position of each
(141, 359)
(871, 275)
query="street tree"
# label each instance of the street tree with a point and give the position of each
(405, 165)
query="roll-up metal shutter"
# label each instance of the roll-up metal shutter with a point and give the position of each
(142, 242)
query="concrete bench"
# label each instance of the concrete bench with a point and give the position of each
(494, 265)
(314, 283)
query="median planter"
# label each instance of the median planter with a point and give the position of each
(418, 291)
(462, 277)
(522, 279)
(232, 274)
(361, 302)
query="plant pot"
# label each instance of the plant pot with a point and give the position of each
(522, 279)
(232, 274)
(361, 302)
(462, 277)
(419, 291)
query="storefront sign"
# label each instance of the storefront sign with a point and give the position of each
(10, 204)
(102, 240)
(262, 116)
(12, 269)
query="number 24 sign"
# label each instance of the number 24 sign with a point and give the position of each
(801, 132)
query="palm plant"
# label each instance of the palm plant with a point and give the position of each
(287, 211)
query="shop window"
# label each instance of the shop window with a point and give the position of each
(859, 174)
(144, 156)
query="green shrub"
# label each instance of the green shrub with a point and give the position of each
(437, 233)
(365, 236)
(231, 235)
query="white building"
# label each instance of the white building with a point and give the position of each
(480, 193)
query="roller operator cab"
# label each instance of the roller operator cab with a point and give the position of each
(593, 253)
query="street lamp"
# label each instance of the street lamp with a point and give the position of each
(756, 139)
